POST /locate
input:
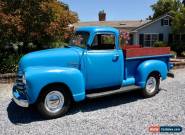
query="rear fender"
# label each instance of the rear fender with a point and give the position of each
(147, 67)
(38, 77)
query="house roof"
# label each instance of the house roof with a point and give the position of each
(126, 25)
(151, 22)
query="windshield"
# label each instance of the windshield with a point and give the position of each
(80, 39)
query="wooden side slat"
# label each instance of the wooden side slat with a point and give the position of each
(138, 52)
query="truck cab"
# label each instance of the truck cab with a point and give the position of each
(93, 65)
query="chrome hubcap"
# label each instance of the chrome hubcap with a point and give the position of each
(151, 85)
(54, 101)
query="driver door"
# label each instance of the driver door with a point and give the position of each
(104, 62)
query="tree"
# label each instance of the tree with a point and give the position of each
(183, 2)
(179, 21)
(165, 6)
(11, 25)
(36, 21)
(178, 28)
(177, 10)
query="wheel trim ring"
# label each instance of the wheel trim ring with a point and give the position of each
(151, 85)
(54, 101)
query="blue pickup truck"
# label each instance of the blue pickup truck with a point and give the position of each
(92, 65)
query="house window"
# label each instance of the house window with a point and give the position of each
(150, 39)
(166, 22)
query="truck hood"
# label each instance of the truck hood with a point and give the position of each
(63, 57)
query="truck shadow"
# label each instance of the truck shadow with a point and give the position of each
(18, 115)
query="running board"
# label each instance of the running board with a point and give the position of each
(111, 92)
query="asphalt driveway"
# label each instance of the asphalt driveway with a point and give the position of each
(127, 113)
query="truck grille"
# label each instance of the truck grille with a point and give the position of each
(19, 82)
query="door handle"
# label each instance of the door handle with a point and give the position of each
(115, 58)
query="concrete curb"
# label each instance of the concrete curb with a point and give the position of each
(7, 78)
(178, 65)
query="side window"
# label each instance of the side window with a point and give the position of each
(103, 42)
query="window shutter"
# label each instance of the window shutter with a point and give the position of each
(131, 39)
(162, 22)
(170, 38)
(141, 39)
(160, 37)
(170, 22)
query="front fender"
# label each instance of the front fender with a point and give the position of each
(147, 67)
(38, 77)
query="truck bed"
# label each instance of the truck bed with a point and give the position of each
(135, 55)
(136, 51)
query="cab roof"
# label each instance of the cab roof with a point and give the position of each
(93, 29)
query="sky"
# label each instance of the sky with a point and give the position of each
(115, 9)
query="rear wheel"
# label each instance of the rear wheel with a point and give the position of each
(54, 102)
(152, 86)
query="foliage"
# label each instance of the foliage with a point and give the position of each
(165, 6)
(29, 25)
(57, 44)
(160, 44)
(183, 53)
(9, 63)
(178, 47)
(179, 21)
(178, 27)
(34, 21)
(177, 10)
(109, 39)
(173, 53)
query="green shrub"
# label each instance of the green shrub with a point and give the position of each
(57, 44)
(178, 47)
(160, 44)
(9, 63)
(9, 56)
(173, 53)
(183, 54)
(31, 46)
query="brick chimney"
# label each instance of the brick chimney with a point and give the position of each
(102, 16)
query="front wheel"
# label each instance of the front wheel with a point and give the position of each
(152, 86)
(54, 103)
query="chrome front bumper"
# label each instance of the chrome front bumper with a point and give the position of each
(20, 98)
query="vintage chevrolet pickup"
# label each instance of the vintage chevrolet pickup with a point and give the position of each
(93, 65)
